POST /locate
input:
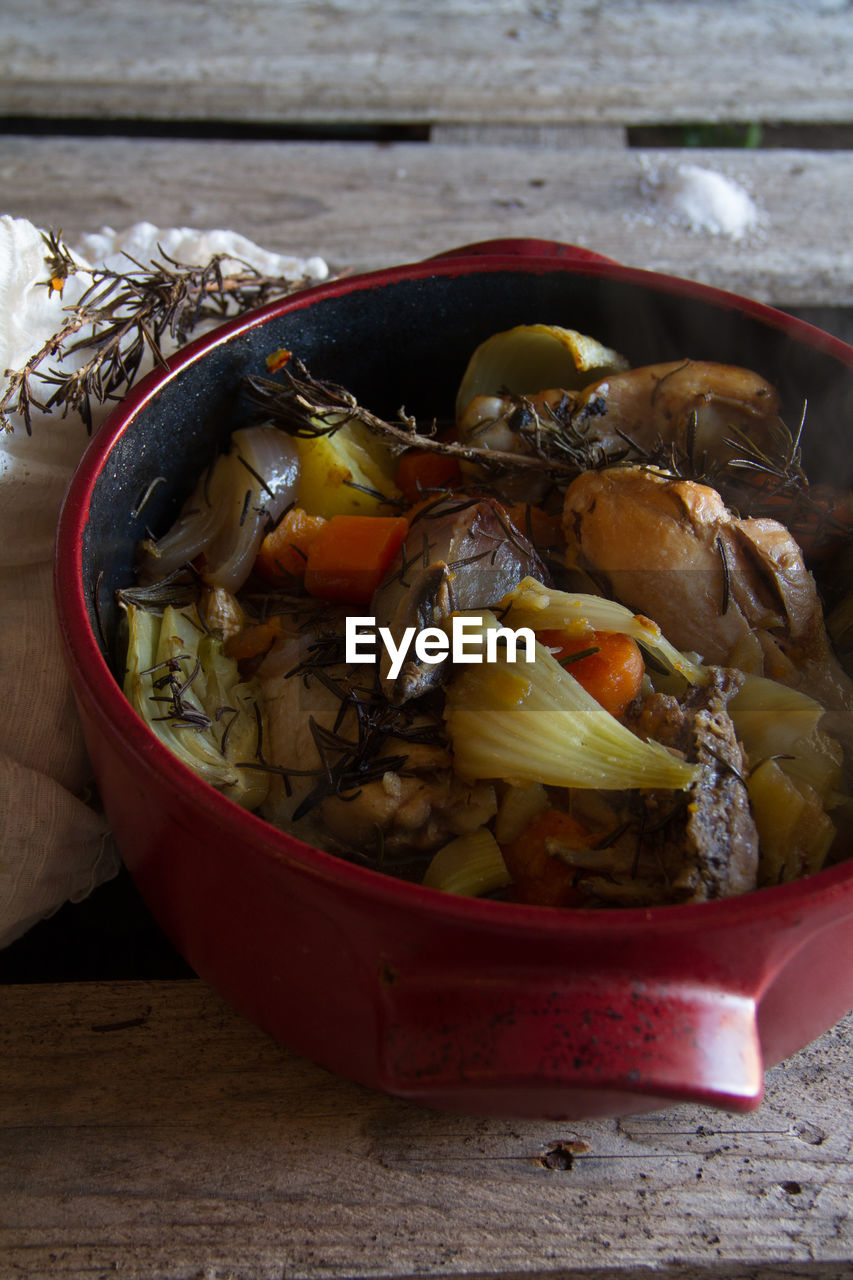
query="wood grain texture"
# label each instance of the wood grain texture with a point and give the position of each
(367, 205)
(147, 1131)
(458, 61)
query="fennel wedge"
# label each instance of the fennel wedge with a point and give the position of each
(190, 694)
(533, 722)
(533, 604)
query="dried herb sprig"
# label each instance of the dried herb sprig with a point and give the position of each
(307, 407)
(555, 430)
(758, 479)
(181, 588)
(126, 315)
(742, 463)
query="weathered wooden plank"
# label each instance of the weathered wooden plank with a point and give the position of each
(147, 1131)
(451, 60)
(367, 205)
(555, 137)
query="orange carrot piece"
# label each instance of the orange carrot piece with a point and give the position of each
(820, 527)
(419, 471)
(545, 529)
(284, 550)
(253, 641)
(278, 359)
(612, 674)
(538, 877)
(350, 556)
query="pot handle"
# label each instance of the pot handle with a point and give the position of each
(522, 247)
(569, 1050)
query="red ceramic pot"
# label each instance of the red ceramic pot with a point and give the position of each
(462, 1004)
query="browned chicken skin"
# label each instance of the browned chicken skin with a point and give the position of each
(737, 592)
(697, 405)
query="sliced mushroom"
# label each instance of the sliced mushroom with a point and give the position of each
(461, 554)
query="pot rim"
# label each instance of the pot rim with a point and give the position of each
(92, 676)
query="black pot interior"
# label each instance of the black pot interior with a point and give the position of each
(406, 344)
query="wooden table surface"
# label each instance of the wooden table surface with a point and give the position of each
(147, 1131)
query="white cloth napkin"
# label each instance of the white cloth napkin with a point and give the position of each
(54, 843)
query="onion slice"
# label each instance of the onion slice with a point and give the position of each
(238, 499)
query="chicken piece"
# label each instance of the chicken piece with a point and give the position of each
(697, 405)
(417, 803)
(410, 810)
(460, 554)
(735, 591)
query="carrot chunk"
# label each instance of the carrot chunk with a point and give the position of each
(823, 524)
(253, 641)
(419, 471)
(350, 555)
(608, 664)
(278, 359)
(543, 528)
(539, 878)
(283, 552)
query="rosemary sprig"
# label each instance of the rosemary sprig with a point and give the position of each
(120, 318)
(308, 407)
(556, 431)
